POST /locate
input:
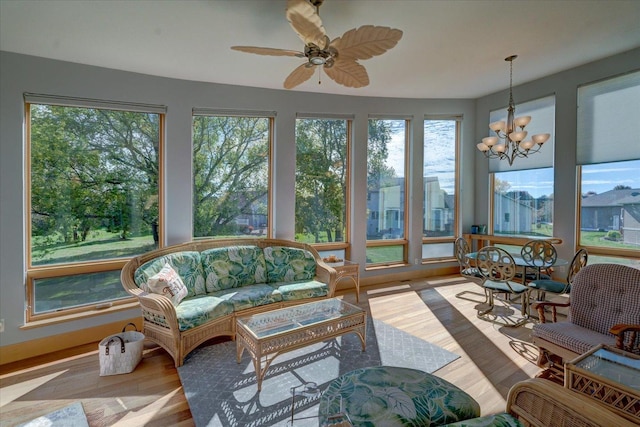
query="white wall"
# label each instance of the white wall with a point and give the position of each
(565, 87)
(19, 74)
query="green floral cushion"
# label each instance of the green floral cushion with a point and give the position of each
(301, 290)
(187, 264)
(192, 312)
(393, 396)
(249, 296)
(286, 264)
(497, 420)
(233, 266)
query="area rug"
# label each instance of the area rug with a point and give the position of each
(222, 392)
(69, 416)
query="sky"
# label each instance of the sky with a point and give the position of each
(538, 182)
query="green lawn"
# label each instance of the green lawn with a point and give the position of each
(596, 238)
(68, 291)
(99, 245)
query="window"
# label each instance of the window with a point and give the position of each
(322, 164)
(441, 138)
(231, 174)
(386, 190)
(523, 192)
(523, 202)
(609, 160)
(93, 199)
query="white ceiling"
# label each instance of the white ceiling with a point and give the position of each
(450, 49)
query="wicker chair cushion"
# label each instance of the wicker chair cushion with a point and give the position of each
(497, 420)
(571, 336)
(285, 264)
(471, 271)
(200, 309)
(233, 267)
(395, 396)
(249, 296)
(301, 290)
(603, 295)
(549, 286)
(516, 288)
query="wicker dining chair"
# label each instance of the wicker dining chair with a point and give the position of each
(542, 286)
(466, 270)
(540, 255)
(498, 269)
(461, 249)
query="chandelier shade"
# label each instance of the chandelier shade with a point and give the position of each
(510, 141)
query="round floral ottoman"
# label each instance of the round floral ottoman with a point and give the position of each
(392, 396)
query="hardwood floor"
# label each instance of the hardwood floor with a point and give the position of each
(493, 358)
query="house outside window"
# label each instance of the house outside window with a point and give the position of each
(440, 186)
(322, 177)
(523, 192)
(386, 192)
(231, 173)
(608, 160)
(93, 192)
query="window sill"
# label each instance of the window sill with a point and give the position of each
(386, 266)
(80, 315)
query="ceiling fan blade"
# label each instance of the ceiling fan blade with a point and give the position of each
(306, 23)
(268, 51)
(348, 72)
(299, 75)
(366, 41)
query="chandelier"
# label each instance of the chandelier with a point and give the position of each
(509, 141)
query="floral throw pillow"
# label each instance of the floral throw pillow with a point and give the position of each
(168, 283)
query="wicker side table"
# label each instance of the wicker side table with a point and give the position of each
(609, 376)
(348, 269)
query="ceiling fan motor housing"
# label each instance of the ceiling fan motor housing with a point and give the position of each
(319, 56)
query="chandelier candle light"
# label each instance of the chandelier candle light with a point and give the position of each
(509, 142)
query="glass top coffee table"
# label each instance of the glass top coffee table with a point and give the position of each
(609, 376)
(266, 335)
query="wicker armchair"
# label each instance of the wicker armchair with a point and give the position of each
(542, 403)
(538, 402)
(604, 308)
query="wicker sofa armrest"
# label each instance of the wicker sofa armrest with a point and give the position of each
(627, 337)
(540, 307)
(327, 274)
(539, 402)
(155, 304)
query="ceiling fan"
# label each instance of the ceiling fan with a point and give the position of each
(338, 57)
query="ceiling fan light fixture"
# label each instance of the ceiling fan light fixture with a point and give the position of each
(317, 60)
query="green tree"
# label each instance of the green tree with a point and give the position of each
(378, 173)
(501, 187)
(230, 172)
(91, 169)
(321, 156)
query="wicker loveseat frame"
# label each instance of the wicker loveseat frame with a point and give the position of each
(542, 403)
(160, 320)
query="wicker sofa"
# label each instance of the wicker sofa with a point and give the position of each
(224, 279)
(604, 308)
